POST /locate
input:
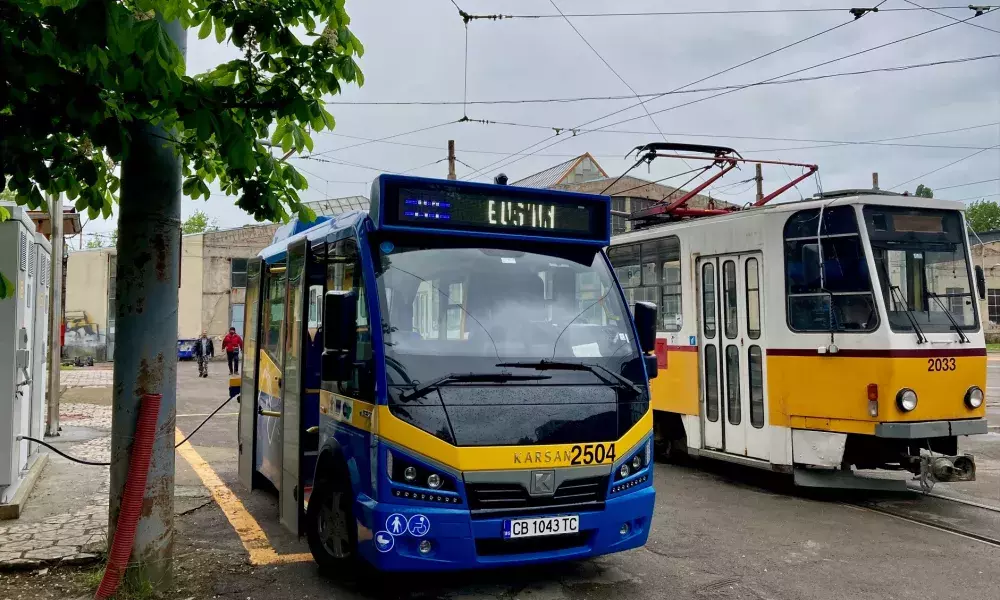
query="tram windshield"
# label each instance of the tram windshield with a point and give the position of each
(923, 268)
(470, 310)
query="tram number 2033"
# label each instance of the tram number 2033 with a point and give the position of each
(941, 364)
(589, 454)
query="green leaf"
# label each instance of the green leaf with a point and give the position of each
(279, 132)
(327, 117)
(6, 287)
(206, 29)
(220, 30)
(308, 140)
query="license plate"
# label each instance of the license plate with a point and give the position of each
(523, 528)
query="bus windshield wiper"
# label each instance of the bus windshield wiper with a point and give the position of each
(422, 389)
(937, 298)
(543, 365)
(921, 338)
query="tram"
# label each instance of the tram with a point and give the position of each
(821, 338)
(450, 380)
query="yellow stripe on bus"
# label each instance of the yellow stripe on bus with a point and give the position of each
(499, 458)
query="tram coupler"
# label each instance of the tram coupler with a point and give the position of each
(948, 468)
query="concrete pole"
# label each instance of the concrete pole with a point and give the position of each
(55, 314)
(145, 356)
(451, 159)
(760, 183)
(875, 181)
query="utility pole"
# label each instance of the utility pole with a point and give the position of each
(760, 183)
(451, 159)
(55, 313)
(145, 353)
(875, 181)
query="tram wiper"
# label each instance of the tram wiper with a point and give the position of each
(422, 389)
(962, 338)
(921, 338)
(543, 365)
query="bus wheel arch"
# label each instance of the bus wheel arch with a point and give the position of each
(669, 437)
(331, 528)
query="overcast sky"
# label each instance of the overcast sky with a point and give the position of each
(415, 51)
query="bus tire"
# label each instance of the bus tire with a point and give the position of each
(330, 527)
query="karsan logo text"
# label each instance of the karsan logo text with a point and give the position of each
(543, 457)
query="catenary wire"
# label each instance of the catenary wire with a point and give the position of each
(719, 12)
(568, 100)
(958, 185)
(934, 10)
(824, 63)
(543, 141)
(951, 164)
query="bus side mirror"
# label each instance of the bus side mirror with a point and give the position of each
(644, 314)
(340, 335)
(981, 282)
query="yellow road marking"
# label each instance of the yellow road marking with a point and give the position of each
(253, 537)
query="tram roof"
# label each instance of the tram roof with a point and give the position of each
(828, 199)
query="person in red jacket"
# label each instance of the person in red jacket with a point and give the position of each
(233, 344)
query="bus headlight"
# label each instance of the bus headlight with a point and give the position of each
(906, 399)
(974, 397)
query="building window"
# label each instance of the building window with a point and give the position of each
(236, 320)
(651, 272)
(618, 223)
(956, 302)
(238, 273)
(993, 304)
(828, 286)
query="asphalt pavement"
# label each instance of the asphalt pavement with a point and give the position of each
(718, 532)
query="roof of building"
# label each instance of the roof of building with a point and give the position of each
(557, 174)
(634, 187)
(985, 237)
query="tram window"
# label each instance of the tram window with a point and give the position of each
(708, 299)
(834, 293)
(733, 385)
(711, 383)
(651, 272)
(753, 298)
(729, 297)
(755, 365)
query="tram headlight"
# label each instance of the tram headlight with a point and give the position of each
(906, 399)
(974, 397)
(636, 462)
(410, 474)
(623, 471)
(434, 481)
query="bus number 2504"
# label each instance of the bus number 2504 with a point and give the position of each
(590, 454)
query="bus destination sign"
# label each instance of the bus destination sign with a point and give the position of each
(452, 209)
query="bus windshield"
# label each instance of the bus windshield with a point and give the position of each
(449, 310)
(923, 268)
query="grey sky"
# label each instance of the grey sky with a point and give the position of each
(415, 51)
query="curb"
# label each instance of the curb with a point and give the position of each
(993, 429)
(13, 509)
(30, 564)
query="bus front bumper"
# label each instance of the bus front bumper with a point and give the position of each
(459, 542)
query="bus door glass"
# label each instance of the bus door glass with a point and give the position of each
(710, 336)
(248, 389)
(293, 419)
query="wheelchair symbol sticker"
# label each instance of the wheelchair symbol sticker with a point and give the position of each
(396, 524)
(383, 541)
(418, 526)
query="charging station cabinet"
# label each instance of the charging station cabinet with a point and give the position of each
(25, 259)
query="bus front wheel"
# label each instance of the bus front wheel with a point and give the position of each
(330, 527)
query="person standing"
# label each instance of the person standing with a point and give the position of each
(233, 345)
(203, 350)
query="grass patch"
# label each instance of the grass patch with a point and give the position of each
(131, 588)
(993, 347)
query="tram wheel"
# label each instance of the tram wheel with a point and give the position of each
(330, 528)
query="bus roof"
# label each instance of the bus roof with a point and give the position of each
(319, 230)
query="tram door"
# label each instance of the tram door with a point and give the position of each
(732, 355)
(293, 417)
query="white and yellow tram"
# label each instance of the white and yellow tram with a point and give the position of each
(811, 349)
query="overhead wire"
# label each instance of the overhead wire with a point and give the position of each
(688, 13)
(824, 63)
(616, 74)
(696, 82)
(388, 137)
(958, 185)
(654, 95)
(951, 164)
(935, 10)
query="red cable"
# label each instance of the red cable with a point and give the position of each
(135, 489)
